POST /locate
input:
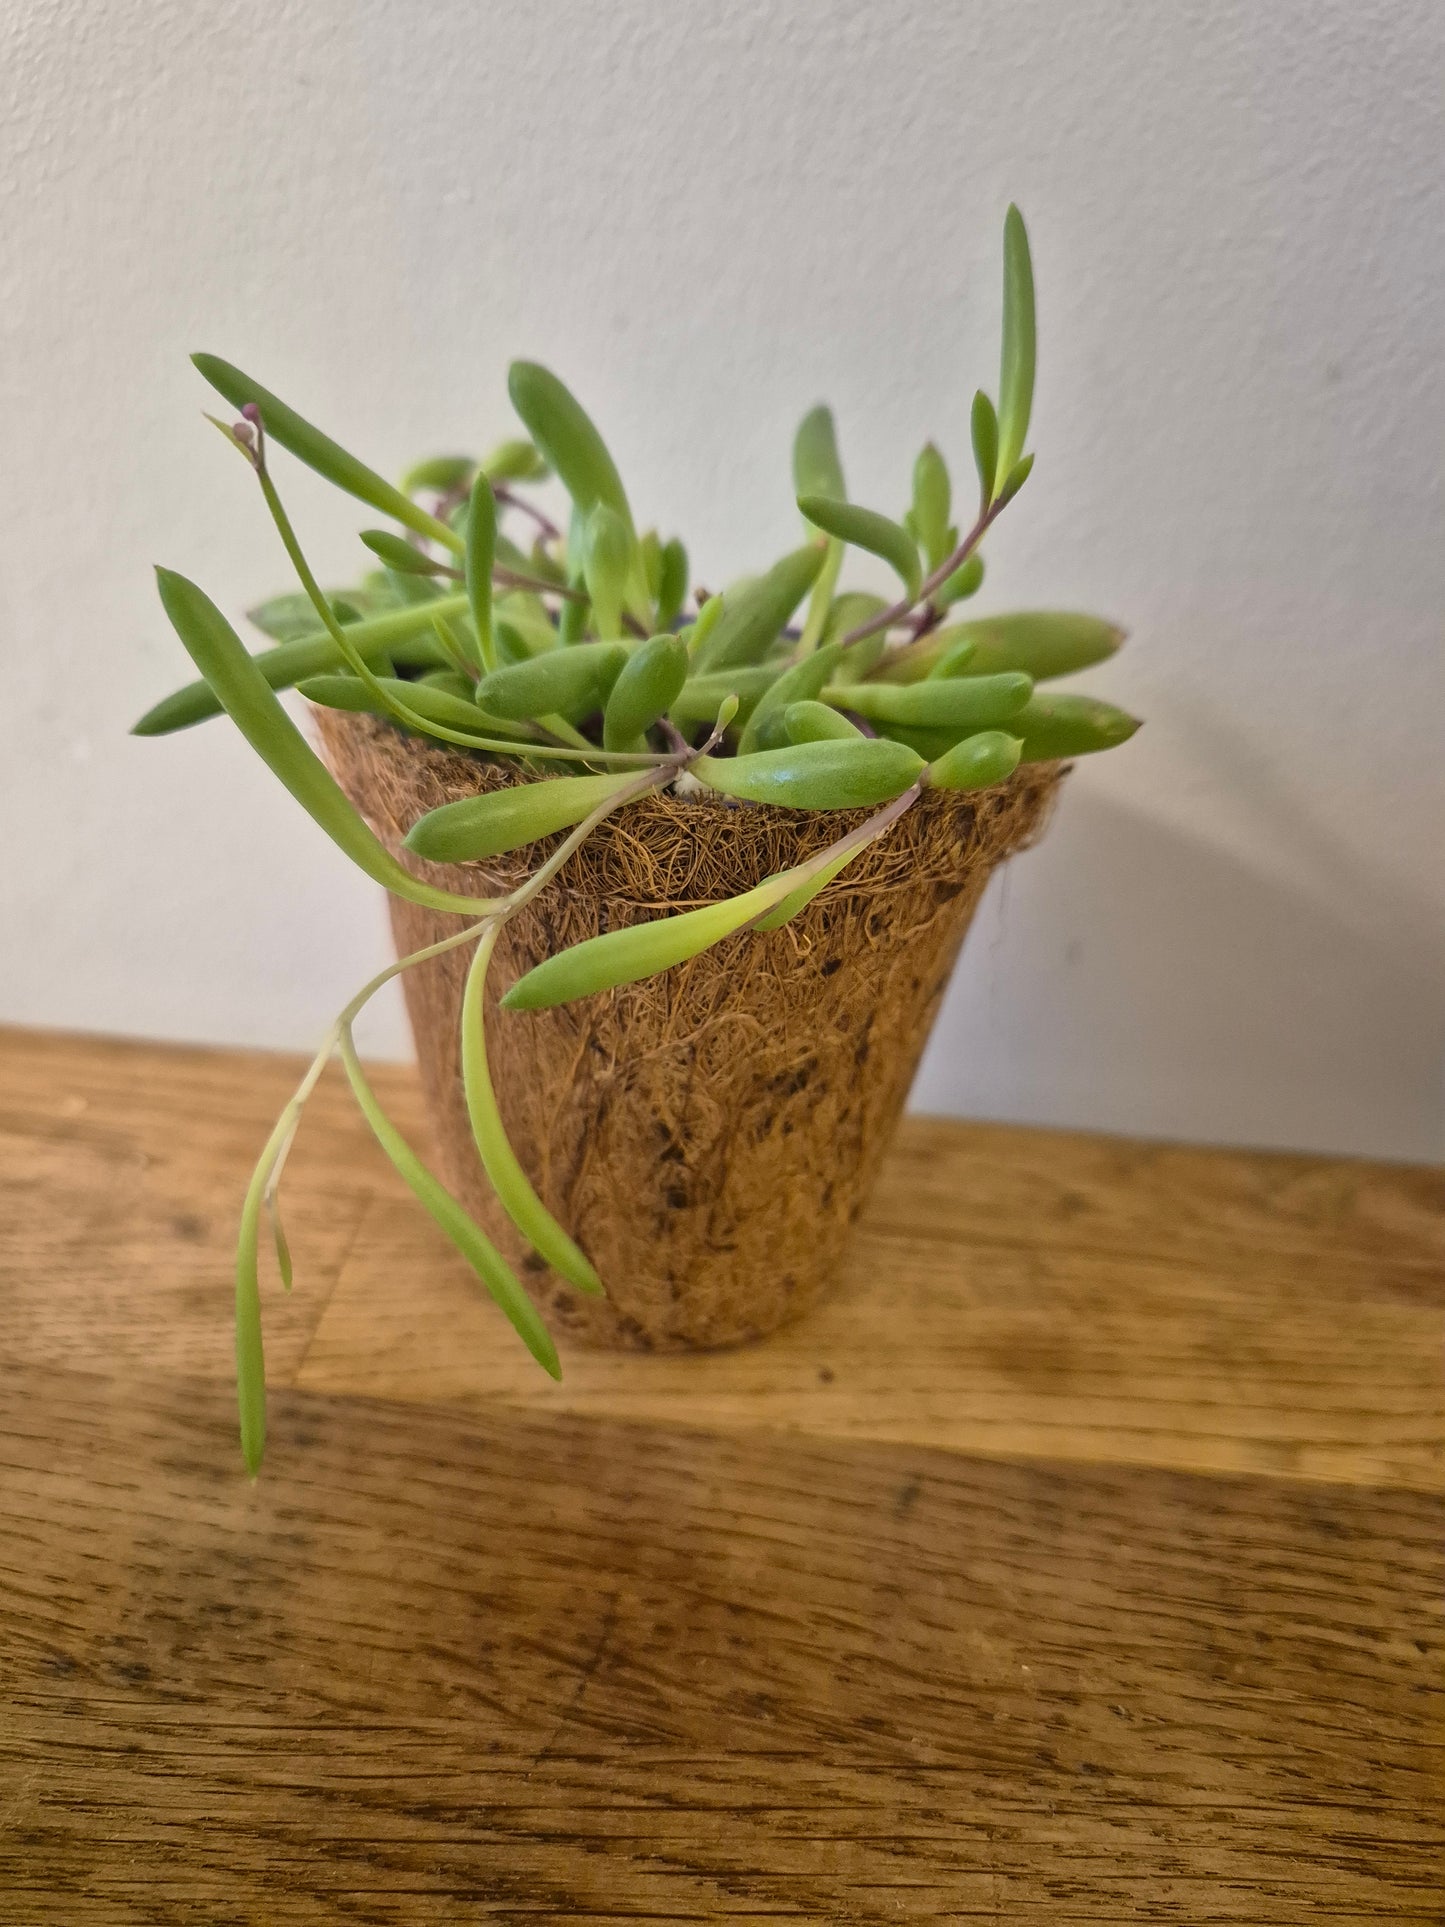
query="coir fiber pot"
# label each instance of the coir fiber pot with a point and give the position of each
(707, 1135)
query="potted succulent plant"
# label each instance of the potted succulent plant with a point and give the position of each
(677, 878)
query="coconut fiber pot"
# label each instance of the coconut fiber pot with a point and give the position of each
(708, 1135)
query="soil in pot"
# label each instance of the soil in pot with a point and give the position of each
(708, 1135)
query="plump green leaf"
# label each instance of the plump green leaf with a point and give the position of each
(641, 950)
(1054, 725)
(646, 689)
(797, 684)
(444, 473)
(866, 529)
(850, 611)
(247, 697)
(696, 632)
(818, 470)
(250, 1348)
(977, 763)
(567, 682)
(649, 547)
(568, 439)
(514, 460)
(401, 637)
(956, 660)
(755, 616)
(817, 467)
(984, 427)
(468, 1237)
(932, 504)
(700, 697)
(398, 554)
(815, 722)
(504, 1171)
(964, 582)
(428, 701)
(453, 681)
(1043, 643)
(959, 703)
(1015, 479)
(476, 827)
(827, 775)
(307, 443)
(609, 561)
(672, 583)
(530, 630)
(1016, 372)
(803, 895)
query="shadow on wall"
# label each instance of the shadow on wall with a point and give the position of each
(1127, 976)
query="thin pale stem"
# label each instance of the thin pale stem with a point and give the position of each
(515, 579)
(886, 618)
(510, 499)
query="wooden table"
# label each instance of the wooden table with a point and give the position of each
(1080, 1561)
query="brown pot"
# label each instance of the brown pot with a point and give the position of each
(707, 1135)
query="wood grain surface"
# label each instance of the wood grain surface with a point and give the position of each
(1081, 1561)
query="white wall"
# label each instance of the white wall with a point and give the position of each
(707, 216)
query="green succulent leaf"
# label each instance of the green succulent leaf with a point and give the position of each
(696, 632)
(399, 554)
(1015, 479)
(499, 1161)
(818, 470)
(468, 1237)
(959, 703)
(956, 660)
(817, 467)
(799, 898)
(754, 616)
(329, 459)
(1016, 372)
(401, 637)
(964, 582)
(649, 545)
(932, 505)
(842, 774)
(454, 682)
(700, 697)
(866, 529)
(1054, 725)
(248, 699)
(977, 763)
(645, 690)
(797, 684)
(641, 950)
(568, 440)
(671, 583)
(609, 562)
(533, 631)
(444, 473)
(429, 702)
(515, 460)
(500, 820)
(984, 427)
(1043, 643)
(567, 682)
(815, 722)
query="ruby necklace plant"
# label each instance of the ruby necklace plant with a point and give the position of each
(575, 660)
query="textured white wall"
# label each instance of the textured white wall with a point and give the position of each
(707, 216)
